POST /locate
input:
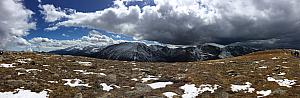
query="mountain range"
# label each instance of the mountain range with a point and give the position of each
(134, 51)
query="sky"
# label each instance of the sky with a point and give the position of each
(45, 25)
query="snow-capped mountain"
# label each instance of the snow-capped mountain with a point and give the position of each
(79, 50)
(133, 51)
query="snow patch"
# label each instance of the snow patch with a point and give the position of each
(106, 87)
(207, 87)
(46, 65)
(7, 65)
(134, 79)
(20, 73)
(263, 93)
(159, 85)
(75, 83)
(191, 91)
(53, 81)
(263, 67)
(24, 61)
(275, 58)
(21, 93)
(29, 70)
(282, 74)
(169, 94)
(246, 88)
(283, 82)
(88, 73)
(149, 77)
(85, 63)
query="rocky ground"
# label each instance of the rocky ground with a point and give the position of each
(272, 73)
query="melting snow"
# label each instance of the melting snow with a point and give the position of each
(88, 73)
(275, 58)
(256, 62)
(7, 65)
(75, 82)
(46, 65)
(284, 62)
(85, 63)
(134, 79)
(23, 61)
(19, 73)
(285, 67)
(263, 67)
(191, 91)
(281, 74)
(53, 81)
(21, 93)
(169, 94)
(246, 88)
(263, 93)
(285, 82)
(106, 87)
(207, 87)
(159, 84)
(29, 70)
(149, 77)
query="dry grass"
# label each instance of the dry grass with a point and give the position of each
(223, 72)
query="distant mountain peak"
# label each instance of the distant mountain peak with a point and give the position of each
(135, 51)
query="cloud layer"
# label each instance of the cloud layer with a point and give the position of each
(196, 21)
(93, 38)
(14, 23)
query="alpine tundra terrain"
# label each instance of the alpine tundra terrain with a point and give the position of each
(273, 73)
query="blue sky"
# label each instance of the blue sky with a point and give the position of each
(69, 32)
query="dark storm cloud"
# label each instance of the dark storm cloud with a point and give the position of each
(198, 21)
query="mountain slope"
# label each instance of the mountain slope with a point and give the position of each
(79, 50)
(142, 52)
(133, 51)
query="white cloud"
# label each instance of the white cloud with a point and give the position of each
(40, 40)
(93, 38)
(14, 23)
(51, 13)
(196, 21)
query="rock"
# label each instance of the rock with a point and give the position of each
(205, 95)
(78, 95)
(231, 73)
(112, 77)
(221, 94)
(7, 77)
(140, 89)
(1, 58)
(279, 91)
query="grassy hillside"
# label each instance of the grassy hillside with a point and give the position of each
(276, 72)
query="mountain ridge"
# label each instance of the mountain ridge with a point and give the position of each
(134, 51)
